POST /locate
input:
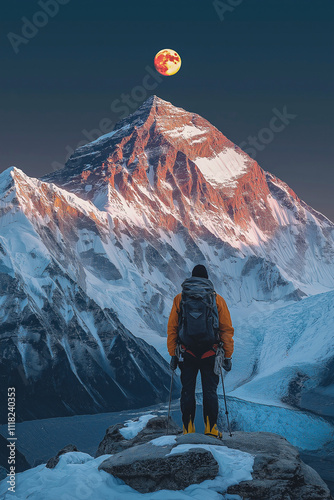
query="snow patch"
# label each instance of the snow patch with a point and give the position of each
(234, 465)
(150, 175)
(186, 132)
(224, 168)
(164, 440)
(106, 136)
(133, 427)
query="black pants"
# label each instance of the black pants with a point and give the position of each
(189, 370)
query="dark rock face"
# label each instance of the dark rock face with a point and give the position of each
(114, 442)
(52, 462)
(67, 370)
(282, 489)
(96, 261)
(148, 468)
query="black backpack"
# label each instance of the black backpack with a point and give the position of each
(198, 317)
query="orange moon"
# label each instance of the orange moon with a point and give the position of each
(167, 62)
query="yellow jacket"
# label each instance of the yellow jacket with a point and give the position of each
(226, 329)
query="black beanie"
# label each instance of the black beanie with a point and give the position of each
(200, 271)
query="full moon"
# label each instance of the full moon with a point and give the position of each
(167, 62)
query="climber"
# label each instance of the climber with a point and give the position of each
(198, 324)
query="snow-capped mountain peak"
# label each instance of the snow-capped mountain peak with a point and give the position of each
(155, 137)
(165, 167)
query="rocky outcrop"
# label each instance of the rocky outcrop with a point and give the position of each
(278, 472)
(148, 468)
(114, 441)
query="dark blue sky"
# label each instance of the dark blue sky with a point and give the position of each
(264, 55)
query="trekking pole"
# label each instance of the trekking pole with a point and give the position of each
(170, 400)
(226, 411)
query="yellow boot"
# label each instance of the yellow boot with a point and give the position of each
(190, 429)
(212, 431)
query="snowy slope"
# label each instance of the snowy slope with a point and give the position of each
(61, 350)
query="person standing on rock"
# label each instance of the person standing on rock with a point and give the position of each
(198, 324)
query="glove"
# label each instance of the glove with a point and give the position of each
(227, 364)
(173, 362)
